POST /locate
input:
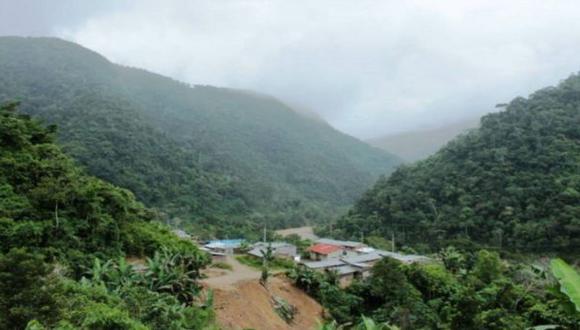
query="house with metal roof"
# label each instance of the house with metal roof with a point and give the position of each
(351, 266)
(362, 260)
(215, 255)
(347, 245)
(346, 273)
(323, 264)
(321, 251)
(227, 246)
(279, 249)
(404, 258)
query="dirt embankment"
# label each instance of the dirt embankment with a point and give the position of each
(250, 305)
(241, 302)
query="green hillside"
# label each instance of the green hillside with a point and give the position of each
(64, 236)
(512, 183)
(194, 152)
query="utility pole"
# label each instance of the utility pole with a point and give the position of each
(264, 233)
(393, 241)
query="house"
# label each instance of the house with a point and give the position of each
(215, 256)
(356, 265)
(323, 264)
(345, 272)
(279, 249)
(405, 258)
(363, 262)
(349, 247)
(226, 246)
(322, 251)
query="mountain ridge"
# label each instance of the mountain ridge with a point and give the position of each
(196, 152)
(511, 184)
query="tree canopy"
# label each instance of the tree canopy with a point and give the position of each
(513, 183)
(199, 154)
(56, 225)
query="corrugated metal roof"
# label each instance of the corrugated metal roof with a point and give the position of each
(324, 263)
(256, 252)
(406, 258)
(362, 258)
(225, 244)
(274, 245)
(351, 244)
(414, 258)
(363, 261)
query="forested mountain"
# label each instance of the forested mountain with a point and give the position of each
(64, 236)
(420, 144)
(512, 183)
(197, 152)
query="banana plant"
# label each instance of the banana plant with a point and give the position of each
(369, 324)
(569, 280)
(173, 273)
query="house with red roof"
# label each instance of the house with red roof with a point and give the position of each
(322, 251)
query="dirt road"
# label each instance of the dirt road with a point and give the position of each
(226, 279)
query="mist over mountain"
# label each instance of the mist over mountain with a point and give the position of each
(196, 152)
(419, 144)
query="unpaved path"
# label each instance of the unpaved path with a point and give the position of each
(226, 279)
(305, 232)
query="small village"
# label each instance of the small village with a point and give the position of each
(348, 259)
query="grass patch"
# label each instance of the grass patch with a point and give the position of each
(221, 265)
(276, 264)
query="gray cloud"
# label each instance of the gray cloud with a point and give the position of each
(368, 67)
(41, 17)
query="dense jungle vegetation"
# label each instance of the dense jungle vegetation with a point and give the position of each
(514, 183)
(467, 290)
(223, 159)
(64, 236)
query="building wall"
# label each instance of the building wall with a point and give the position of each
(286, 251)
(345, 280)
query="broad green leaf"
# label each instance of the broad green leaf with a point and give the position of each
(544, 327)
(569, 280)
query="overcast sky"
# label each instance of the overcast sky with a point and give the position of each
(369, 68)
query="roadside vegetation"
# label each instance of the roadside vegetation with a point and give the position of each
(274, 264)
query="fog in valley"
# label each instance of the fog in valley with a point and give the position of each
(369, 68)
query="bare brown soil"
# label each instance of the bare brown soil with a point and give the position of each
(250, 305)
(241, 302)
